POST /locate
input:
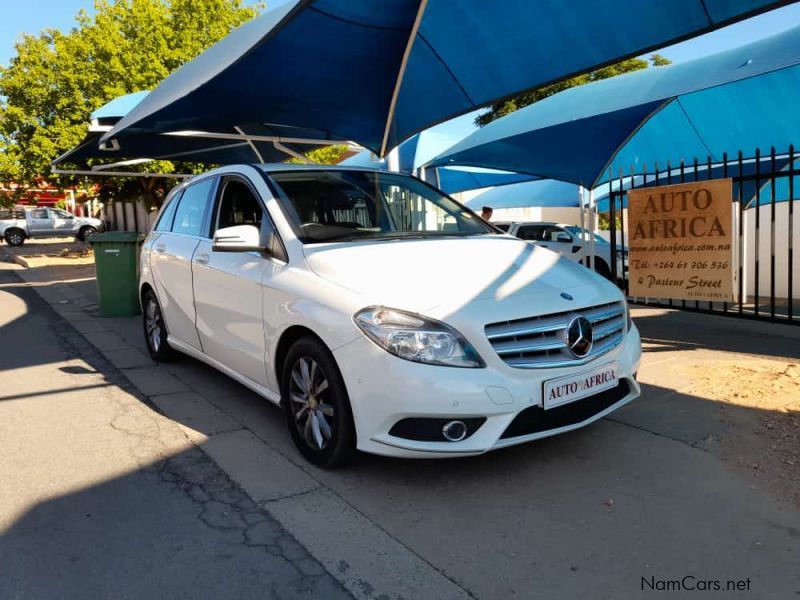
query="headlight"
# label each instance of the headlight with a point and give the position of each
(628, 317)
(416, 338)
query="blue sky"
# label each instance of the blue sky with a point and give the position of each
(31, 16)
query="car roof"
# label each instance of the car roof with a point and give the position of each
(283, 167)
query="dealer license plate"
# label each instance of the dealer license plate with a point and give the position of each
(580, 385)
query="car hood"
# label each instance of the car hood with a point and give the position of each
(442, 276)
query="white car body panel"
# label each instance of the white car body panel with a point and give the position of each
(171, 268)
(232, 312)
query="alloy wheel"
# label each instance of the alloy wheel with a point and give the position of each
(152, 323)
(313, 416)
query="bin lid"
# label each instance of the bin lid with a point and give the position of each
(117, 237)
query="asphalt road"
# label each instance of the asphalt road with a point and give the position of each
(102, 497)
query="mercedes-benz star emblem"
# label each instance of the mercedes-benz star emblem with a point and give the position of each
(579, 337)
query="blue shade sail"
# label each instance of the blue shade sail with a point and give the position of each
(545, 192)
(379, 72)
(453, 180)
(167, 147)
(735, 100)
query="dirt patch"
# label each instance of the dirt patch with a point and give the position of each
(767, 440)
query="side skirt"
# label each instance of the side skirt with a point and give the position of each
(245, 381)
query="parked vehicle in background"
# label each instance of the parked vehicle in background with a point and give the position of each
(381, 314)
(20, 224)
(569, 241)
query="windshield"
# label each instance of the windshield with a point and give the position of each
(337, 206)
(584, 234)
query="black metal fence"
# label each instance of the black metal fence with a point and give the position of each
(764, 188)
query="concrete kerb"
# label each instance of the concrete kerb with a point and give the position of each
(353, 549)
(6, 256)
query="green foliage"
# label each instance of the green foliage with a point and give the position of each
(58, 78)
(604, 221)
(502, 109)
(327, 155)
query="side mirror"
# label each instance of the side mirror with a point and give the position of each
(240, 238)
(69, 217)
(564, 237)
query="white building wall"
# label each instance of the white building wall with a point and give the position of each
(765, 238)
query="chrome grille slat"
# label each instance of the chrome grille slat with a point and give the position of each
(540, 342)
(548, 328)
(531, 347)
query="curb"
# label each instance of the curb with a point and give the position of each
(7, 256)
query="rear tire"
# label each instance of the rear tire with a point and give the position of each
(317, 406)
(86, 232)
(155, 329)
(15, 237)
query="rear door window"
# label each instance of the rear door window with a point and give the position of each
(168, 214)
(191, 211)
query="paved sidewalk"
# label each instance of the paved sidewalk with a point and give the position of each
(103, 497)
(648, 492)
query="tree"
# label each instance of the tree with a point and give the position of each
(325, 155)
(58, 78)
(506, 107)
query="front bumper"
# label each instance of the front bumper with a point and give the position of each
(384, 390)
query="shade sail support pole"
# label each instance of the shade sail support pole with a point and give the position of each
(238, 137)
(83, 173)
(593, 226)
(401, 74)
(582, 216)
(251, 144)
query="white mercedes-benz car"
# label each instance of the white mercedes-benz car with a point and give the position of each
(381, 314)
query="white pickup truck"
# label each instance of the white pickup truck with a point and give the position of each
(18, 225)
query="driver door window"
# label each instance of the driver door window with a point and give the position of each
(238, 206)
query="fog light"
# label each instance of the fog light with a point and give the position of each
(454, 431)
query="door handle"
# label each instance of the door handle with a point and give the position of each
(160, 248)
(201, 259)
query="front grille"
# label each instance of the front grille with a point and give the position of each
(535, 419)
(540, 342)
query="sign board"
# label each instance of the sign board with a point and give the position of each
(680, 241)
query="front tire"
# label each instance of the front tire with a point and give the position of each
(15, 237)
(155, 329)
(316, 404)
(601, 268)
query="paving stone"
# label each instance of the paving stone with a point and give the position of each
(154, 380)
(194, 411)
(351, 545)
(262, 472)
(127, 357)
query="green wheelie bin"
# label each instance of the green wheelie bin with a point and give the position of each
(116, 258)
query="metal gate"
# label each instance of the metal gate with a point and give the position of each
(764, 189)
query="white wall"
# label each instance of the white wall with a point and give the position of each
(566, 215)
(781, 250)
